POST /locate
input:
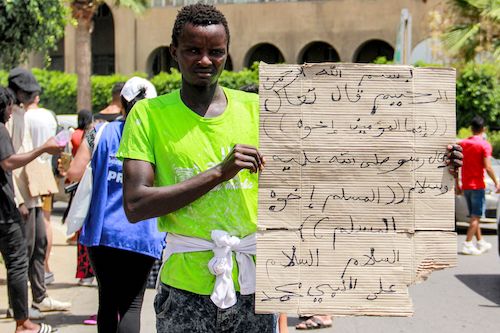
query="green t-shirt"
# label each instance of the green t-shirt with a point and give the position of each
(181, 144)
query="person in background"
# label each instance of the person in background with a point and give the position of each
(84, 271)
(477, 159)
(12, 241)
(42, 124)
(27, 135)
(85, 120)
(114, 109)
(121, 253)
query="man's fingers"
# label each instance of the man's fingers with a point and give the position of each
(455, 154)
(250, 151)
(246, 161)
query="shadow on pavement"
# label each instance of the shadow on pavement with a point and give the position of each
(60, 319)
(63, 285)
(486, 285)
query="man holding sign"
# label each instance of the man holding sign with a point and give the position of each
(183, 155)
(190, 158)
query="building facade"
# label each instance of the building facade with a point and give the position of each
(271, 31)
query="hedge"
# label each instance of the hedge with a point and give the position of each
(59, 89)
(478, 89)
(478, 93)
(493, 138)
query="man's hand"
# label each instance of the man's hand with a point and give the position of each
(23, 210)
(241, 157)
(52, 147)
(454, 158)
(498, 188)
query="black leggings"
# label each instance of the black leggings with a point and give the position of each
(121, 276)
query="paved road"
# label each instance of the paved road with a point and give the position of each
(462, 299)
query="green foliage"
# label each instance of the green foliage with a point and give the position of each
(236, 80)
(464, 132)
(165, 82)
(382, 61)
(494, 139)
(478, 93)
(101, 89)
(29, 25)
(59, 89)
(138, 6)
(474, 30)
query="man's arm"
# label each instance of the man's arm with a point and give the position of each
(79, 163)
(19, 160)
(141, 200)
(491, 172)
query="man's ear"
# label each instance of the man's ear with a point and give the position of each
(173, 51)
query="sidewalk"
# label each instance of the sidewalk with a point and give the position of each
(460, 299)
(84, 299)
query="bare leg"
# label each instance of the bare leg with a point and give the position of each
(473, 229)
(26, 326)
(283, 323)
(479, 236)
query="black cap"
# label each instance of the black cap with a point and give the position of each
(23, 79)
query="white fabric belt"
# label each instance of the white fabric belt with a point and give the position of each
(221, 265)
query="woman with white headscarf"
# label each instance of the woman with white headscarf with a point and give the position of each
(121, 253)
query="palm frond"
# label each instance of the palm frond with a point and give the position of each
(460, 37)
(137, 6)
(494, 13)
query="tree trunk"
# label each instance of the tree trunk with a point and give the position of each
(83, 54)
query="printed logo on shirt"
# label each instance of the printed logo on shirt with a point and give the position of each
(115, 176)
(182, 174)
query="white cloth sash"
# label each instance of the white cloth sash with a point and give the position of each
(221, 265)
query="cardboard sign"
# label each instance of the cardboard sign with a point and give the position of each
(41, 180)
(356, 202)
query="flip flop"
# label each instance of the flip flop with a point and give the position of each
(312, 323)
(44, 328)
(92, 320)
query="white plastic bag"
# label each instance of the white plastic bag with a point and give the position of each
(81, 202)
(83, 196)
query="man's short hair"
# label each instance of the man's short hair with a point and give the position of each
(477, 124)
(117, 88)
(198, 15)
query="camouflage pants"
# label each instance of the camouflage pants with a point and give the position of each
(179, 311)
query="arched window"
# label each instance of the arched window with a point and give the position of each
(372, 49)
(103, 42)
(57, 57)
(265, 52)
(318, 52)
(160, 60)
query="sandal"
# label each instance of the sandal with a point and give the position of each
(313, 323)
(44, 328)
(92, 320)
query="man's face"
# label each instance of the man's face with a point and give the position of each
(201, 53)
